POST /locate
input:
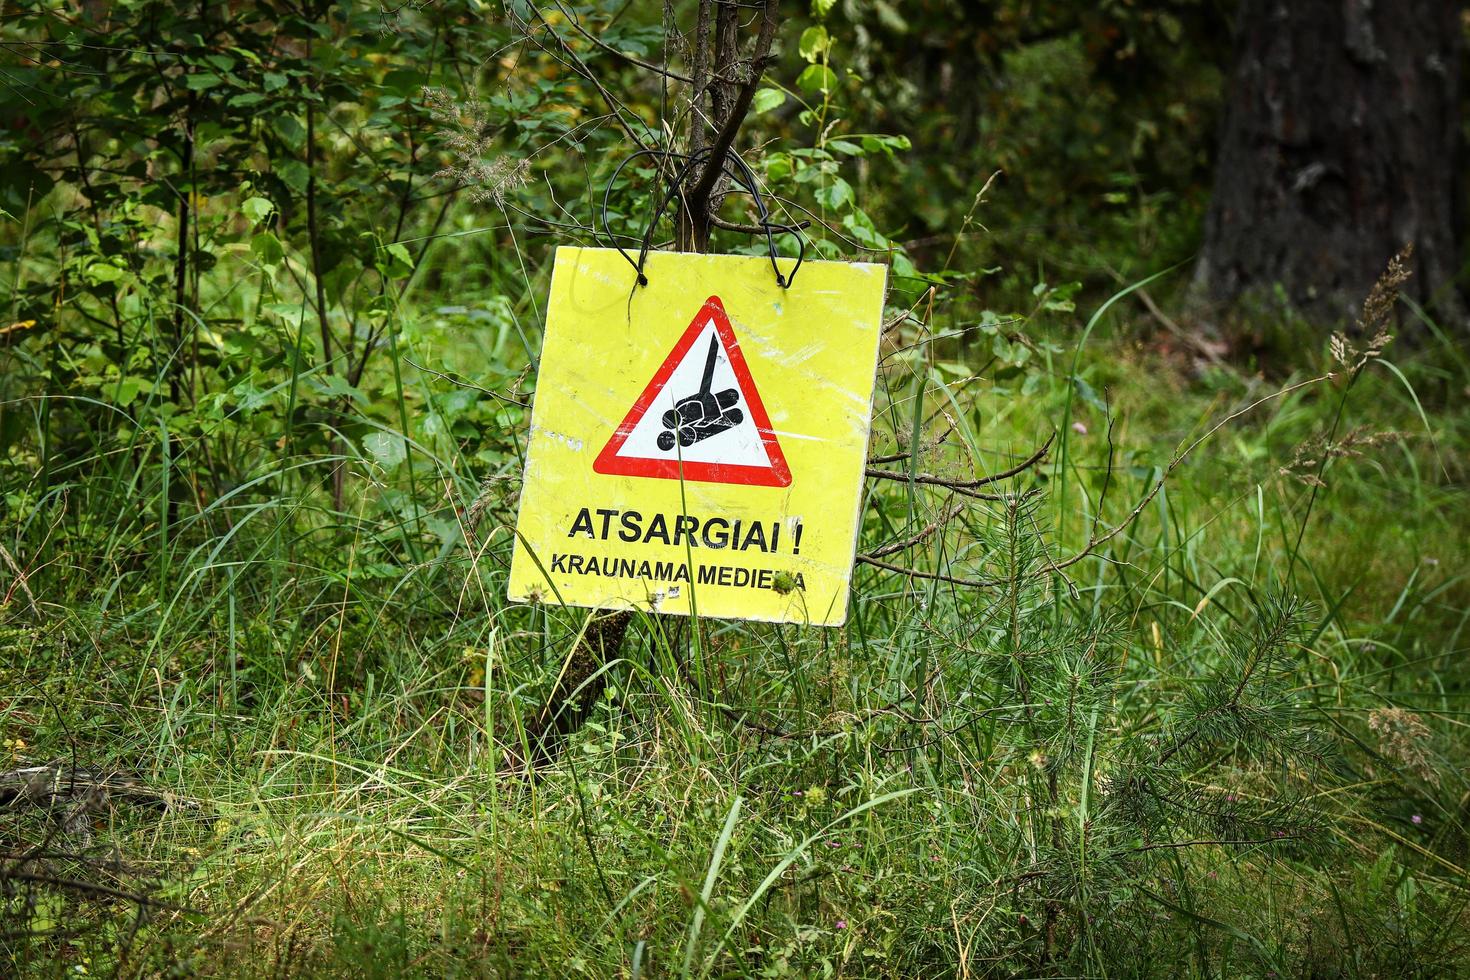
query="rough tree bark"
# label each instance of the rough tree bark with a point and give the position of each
(1339, 147)
(723, 85)
(575, 692)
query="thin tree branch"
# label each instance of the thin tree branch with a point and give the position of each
(752, 229)
(621, 55)
(951, 484)
(986, 583)
(919, 538)
(462, 383)
(580, 67)
(1216, 843)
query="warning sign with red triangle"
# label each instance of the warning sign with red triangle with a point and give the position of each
(700, 418)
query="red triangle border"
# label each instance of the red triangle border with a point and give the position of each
(778, 474)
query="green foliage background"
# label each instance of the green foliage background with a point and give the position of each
(272, 290)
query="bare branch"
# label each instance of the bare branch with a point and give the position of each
(753, 229)
(974, 583)
(962, 485)
(571, 17)
(1096, 539)
(932, 444)
(1215, 843)
(919, 538)
(462, 383)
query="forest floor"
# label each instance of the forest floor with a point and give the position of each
(313, 754)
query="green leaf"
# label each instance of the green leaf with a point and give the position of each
(836, 195)
(815, 42)
(890, 18)
(1171, 26)
(201, 81)
(100, 272)
(294, 173)
(127, 389)
(290, 313)
(815, 173)
(248, 398)
(399, 263)
(860, 227)
(888, 144)
(337, 387)
(257, 208)
(845, 147)
(291, 132)
(903, 266)
(821, 8)
(267, 249)
(767, 99)
(1086, 392)
(778, 166)
(388, 448)
(817, 78)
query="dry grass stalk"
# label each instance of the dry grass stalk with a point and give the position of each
(1404, 738)
(465, 130)
(1377, 311)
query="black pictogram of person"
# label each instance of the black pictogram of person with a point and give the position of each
(704, 413)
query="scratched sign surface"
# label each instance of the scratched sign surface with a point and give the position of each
(697, 444)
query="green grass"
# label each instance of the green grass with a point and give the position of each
(345, 693)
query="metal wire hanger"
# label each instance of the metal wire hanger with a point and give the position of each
(741, 175)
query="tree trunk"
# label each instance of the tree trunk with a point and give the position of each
(1340, 145)
(717, 60)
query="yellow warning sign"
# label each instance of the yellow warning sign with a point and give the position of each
(698, 443)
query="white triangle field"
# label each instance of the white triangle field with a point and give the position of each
(739, 445)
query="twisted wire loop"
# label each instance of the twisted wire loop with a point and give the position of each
(741, 175)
